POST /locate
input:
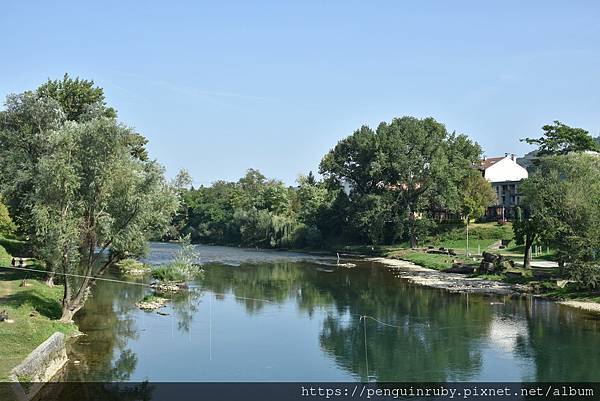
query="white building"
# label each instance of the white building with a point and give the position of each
(504, 173)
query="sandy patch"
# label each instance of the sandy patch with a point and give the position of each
(585, 305)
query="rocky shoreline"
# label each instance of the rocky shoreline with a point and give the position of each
(462, 284)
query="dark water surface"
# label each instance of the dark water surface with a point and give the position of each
(297, 319)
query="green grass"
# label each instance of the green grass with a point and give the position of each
(429, 260)
(151, 298)
(33, 309)
(5, 258)
(168, 274)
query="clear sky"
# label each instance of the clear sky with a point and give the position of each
(222, 86)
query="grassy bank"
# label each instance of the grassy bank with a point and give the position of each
(33, 309)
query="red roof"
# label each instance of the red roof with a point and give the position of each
(490, 161)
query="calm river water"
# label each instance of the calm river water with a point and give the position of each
(276, 316)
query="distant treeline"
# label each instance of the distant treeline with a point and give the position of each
(379, 186)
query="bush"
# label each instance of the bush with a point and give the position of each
(307, 237)
(167, 273)
(184, 265)
(586, 274)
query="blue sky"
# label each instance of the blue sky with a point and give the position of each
(222, 86)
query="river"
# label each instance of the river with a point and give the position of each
(279, 316)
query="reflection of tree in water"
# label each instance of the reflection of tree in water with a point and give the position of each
(562, 341)
(185, 305)
(107, 326)
(438, 335)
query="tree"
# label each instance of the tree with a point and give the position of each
(561, 207)
(183, 180)
(79, 99)
(95, 204)
(560, 139)
(413, 159)
(478, 194)
(25, 126)
(7, 226)
(535, 218)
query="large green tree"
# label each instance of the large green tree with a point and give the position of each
(561, 202)
(95, 204)
(412, 165)
(26, 124)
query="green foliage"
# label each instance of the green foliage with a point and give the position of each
(587, 274)
(91, 192)
(128, 265)
(79, 99)
(168, 274)
(26, 127)
(184, 266)
(77, 181)
(379, 187)
(562, 210)
(560, 139)
(478, 194)
(411, 166)
(7, 226)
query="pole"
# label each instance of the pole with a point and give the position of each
(467, 250)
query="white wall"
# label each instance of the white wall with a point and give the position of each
(505, 170)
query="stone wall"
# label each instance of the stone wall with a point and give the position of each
(39, 367)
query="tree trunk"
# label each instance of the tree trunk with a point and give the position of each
(411, 224)
(527, 257)
(69, 310)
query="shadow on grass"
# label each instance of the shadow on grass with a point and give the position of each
(40, 298)
(14, 247)
(47, 307)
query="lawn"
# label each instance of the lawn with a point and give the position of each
(429, 260)
(33, 309)
(4, 257)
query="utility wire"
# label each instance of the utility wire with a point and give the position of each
(111, 280)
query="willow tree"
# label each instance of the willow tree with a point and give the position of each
(95, 203)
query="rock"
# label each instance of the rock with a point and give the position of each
(155, 303)
(168, 287)
(3, 316)
(492, 263)
(348, 265)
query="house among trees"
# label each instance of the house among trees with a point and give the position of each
(505, 174)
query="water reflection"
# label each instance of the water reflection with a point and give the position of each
(293, 320)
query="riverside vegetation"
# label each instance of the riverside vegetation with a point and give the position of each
(81, 195)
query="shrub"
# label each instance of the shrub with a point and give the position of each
(168, 273)
(184, 265)
(587, 274)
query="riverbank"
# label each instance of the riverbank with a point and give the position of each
(452, 282)
(32, 312)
